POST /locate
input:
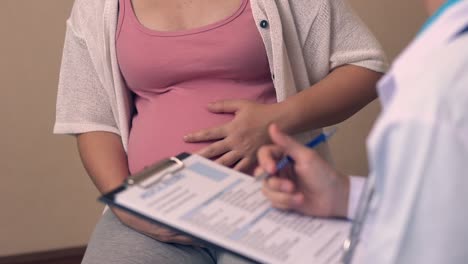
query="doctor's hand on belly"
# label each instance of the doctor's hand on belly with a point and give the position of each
(236, 142)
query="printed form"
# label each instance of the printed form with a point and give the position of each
(227, 208)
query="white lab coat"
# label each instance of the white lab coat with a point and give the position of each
(418, 152)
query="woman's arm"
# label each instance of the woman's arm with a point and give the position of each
(105, 160)
(338, 96)
(341, 94)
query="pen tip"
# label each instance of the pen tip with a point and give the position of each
(330, 131)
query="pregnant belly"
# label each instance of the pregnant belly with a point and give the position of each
(158, 128)
(162, 120)
(158, 133)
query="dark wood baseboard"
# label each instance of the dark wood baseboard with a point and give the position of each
(61, 256)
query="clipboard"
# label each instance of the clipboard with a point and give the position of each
(218, 206)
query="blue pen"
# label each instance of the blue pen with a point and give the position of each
(322, 137)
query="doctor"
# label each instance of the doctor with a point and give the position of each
(418, 155)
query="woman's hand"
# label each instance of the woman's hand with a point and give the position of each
(238, 140)
(152, 230)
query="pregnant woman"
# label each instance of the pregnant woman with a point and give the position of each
(145, 79)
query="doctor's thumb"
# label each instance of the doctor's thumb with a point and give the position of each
(291, 147)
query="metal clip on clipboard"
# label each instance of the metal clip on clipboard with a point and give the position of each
(155, 173)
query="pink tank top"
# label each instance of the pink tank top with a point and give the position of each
(174, 75)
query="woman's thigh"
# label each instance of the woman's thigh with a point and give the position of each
(113, 242)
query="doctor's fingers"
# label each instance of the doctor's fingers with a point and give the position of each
(280, 185)
(290, 146)
(267, 157)
(282, 200)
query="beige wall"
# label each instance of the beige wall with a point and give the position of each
(394, 23)
(46, 200)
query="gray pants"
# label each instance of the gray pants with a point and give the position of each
(113, 242)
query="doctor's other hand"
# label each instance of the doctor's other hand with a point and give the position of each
(152, 230)
(310, 186)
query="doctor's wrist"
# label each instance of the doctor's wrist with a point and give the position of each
(340, 198)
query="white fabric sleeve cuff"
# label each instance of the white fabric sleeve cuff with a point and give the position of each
(356, 186)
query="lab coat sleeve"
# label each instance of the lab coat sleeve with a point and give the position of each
(355, 189)
(422, 198)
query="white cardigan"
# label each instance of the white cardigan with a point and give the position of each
(304, 40)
